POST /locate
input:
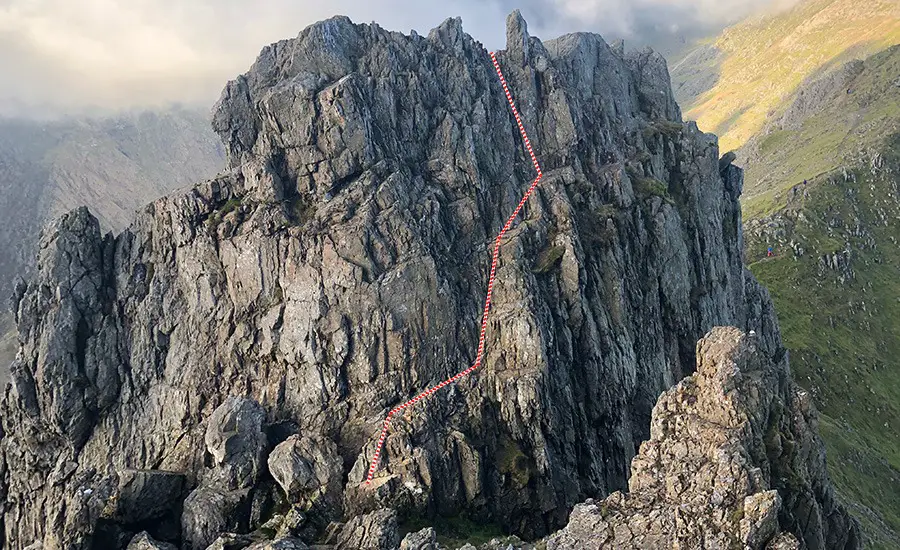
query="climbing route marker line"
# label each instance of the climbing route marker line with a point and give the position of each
(487, 302)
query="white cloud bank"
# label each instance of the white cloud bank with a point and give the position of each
(64, 56)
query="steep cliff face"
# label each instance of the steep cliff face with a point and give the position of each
(337, 268)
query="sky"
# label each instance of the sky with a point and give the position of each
(92, 56)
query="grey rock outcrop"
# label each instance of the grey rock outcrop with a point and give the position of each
(237, 444)
(280, 544)
(112, 164)
(726, 161)
(337, 268)
(231, 541)
(208, 512)
(733, 460)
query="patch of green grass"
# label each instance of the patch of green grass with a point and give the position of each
(848, 457)
(298, 210)
(454, 531)
(216, 216)
(607, 211)
(512, 462)
(604, 509)
(774, 141)
(762, 205)
(722, 128)
(846, 354)
(665, 128)
(737, 514)
(594, 225)
(230, 206)
(548, 258)
(646, 187)
(815, 150)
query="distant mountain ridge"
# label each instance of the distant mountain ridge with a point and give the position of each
(112, 164)
(732, 83)
(833, 121)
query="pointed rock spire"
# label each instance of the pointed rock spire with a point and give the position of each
(517, 38)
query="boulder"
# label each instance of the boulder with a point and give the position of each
(209, 511)
(143, 541)
(306, 467)
(426, 539)
(231, 541)
(288, 543)
(237, 442)
(704, 478)
(373, 531)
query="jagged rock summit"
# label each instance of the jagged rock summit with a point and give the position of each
(733, 461)
(230, 356)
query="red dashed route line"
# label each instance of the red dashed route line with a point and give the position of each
(487, 302)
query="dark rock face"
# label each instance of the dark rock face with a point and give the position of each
(146, 495)
(338, 268)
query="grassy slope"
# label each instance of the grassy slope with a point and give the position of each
(848, 124)
(845, 345)
(764, 60)
(843, 331)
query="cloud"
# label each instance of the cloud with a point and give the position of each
(666, 25)
(60, 56)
